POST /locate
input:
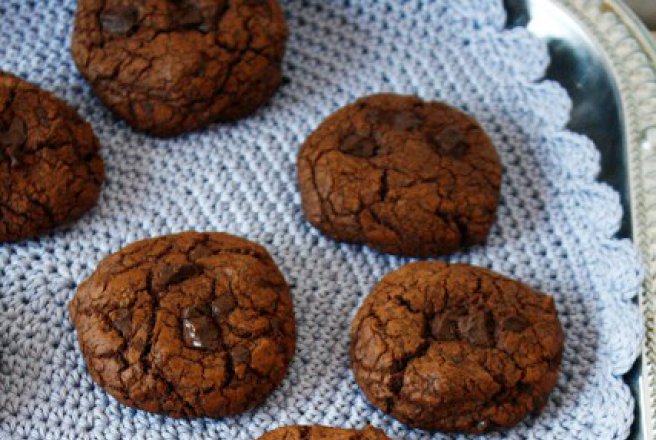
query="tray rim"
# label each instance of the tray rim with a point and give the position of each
(631, 50)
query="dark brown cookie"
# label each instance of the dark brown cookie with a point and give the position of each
(50, 169)
(456, 348)
(323, 433)
(187, 325)
(171, 66)
(401, 175)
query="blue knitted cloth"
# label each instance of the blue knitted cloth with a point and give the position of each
(554, 230)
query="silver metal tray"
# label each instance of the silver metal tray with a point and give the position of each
(606, 59)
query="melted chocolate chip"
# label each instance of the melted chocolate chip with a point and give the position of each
(515, 324)
(402, 120)
(119, 20)
(15, 135)
(188, 15)
(223, 305)
(407, 121)
(191, 17)
(201, 17)
(276, 325)
(482, 425)
(555, 362)
(199, 252)
(445, 328)
(169, 274)
(199, 329)
(12, 141)
(478, 328)
(240, 354)
(358, 146)
(449, 141)
(122, 321)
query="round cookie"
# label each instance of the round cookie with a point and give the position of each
(187, 325)
(50, 169)
(456, 348)
(323, 433)
(172, 66)
(401, 175)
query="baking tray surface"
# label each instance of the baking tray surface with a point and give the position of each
(605, 58)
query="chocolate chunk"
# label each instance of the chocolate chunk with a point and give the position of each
(240, 354)
(119, 20)
(195, 15)
(402, 120)
(199, 329)
(190, 16)
(167, 275)
(445, 328)
(358, 146)
(223, 305)
(407, 120)
(276, 325)
(15, 135)
(199, 252)
(449, 141)
(515, 324)
(122, 321)
(13, 139)
(478, 328)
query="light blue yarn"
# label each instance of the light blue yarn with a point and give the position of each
(554, 230)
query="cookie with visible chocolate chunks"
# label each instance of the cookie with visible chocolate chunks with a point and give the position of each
(187, 325)
(172, 66)
(50, 168)
(324, 433)
(456, 348)
(401, 175)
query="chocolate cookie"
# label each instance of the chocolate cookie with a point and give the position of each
(187, 325)
(401, 175)
(456, 348)
(171, 66)
(50, 170)
(323, 433)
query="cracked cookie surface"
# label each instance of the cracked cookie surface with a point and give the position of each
(187, 325)
(324, 433)
(401, 175)
(456, 348)
(172, 66)
(50, 169)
